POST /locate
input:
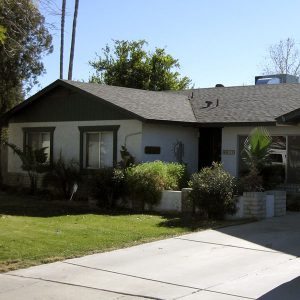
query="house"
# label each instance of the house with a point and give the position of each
(90, 122)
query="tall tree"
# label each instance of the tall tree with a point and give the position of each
(62, 34)
(70, 74)
(129, 64)
(26, 41)
(283, 58)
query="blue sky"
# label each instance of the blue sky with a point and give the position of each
(215, 41)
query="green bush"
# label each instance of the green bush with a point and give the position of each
(107, 186)
(213, 191)
(146, 181)
(62, 176)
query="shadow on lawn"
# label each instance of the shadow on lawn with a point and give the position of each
(17, 205)
(194, 223)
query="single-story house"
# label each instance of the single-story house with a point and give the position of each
(90, 122)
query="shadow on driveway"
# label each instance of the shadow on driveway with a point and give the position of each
(279, 233)
(288, 291)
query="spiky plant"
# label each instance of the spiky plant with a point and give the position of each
(256, 151)
(34, 162)
(256, 155)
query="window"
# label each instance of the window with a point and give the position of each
(99, 149)
(37, 138)
(98, 146)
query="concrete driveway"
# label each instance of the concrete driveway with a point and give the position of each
(252, 261)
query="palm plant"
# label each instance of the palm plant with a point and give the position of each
(34, 162)
(256, 154)
(257, 149)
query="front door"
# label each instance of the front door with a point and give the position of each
(210, 143)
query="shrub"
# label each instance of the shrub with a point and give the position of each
(107, 185)
(62, 176)
(273, 176)
(251, 182)
(146, 181)
(213, 191)
(34, 162)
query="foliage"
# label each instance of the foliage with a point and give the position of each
(34, 162)
(107, 186)
(256, 150)
(283, 58)
(213, 191)
(251, 182)
(26, 40)
(126, 158)
(272, 176)
(2, 34)
(256, 156)
(129, 64)
(62, 176)
(146, 181)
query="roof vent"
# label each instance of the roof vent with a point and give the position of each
(219, 85)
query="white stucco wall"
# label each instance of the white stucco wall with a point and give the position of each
(230, 142)
(66, 138)
(165, 136)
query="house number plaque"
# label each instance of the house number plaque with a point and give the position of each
(229, 152)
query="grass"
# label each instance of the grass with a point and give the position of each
(33, 231)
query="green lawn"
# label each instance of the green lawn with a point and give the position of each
(33, 231)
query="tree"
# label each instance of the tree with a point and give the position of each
(62, 34)
(70, 74)
(129, 64)
(26, 40)
(283, 58)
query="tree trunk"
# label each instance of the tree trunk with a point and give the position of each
(62, 34)
(73, 40)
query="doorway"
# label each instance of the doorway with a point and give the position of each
(210, 143)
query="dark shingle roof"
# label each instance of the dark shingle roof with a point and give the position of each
(222, 105)
(149, 105)
(257, 103)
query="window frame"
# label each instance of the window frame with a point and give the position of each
(90, 129)
(49, 130)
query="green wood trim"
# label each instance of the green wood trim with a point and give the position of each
(99, 128)
(123, 113)
(41, 129)
(113, 128)
(38, 129)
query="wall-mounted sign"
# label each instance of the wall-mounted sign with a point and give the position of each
(152, 150)
(228, 152)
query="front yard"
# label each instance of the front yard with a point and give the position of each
(33, 231)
